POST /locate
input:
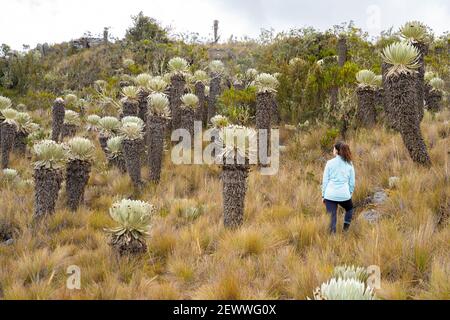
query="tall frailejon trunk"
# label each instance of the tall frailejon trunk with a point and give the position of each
(178, 83)
(366, 113)
(129, 108)
(7, 141)
(20, 143)
(58, 113)
(234, 181)
(132, 153)
(187, 119)
(47, 185)
(403, 95)
(420, 79)
(201, 113)
(264, 109)
(156, 128)
(68, 131)
(117, 161)
(433, 99)
(390, 117)
(142, 104)
(77, 177)
(214, 92)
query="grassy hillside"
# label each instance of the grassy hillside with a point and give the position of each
(283, 250)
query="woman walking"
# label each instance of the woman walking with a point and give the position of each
(338, 185)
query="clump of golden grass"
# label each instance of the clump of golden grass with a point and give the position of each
(283, 250)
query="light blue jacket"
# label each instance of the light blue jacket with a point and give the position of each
(338, 181)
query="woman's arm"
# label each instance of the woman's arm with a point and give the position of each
(351, 182)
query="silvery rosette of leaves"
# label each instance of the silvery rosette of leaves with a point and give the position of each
(109, 125)
(49, 154)
(236, 145)
(403, 57)
(158, 105)
(133, 218)
(80, 149)
(265, 82)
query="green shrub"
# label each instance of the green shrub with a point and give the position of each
(327, 141)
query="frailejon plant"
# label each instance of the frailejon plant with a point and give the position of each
(5, 103)
(344, 289)
(400, 86)
(58, 112)
(415, 33)
(132, 134)
(266, 86)
(178, 68)
(157, 85)
(92, 122)
(130, 103)
(366, 93)
(115, 153)
(108, 127)
(9, 177)
(236, 149)
(200, 80)
(71, 124)
(434, 92)
(188, 108)
(216, 71)
(8, 130)
(133, 218)
(25, 127)
(78, 168)
(142, 81)
(350, 272)
(158, 116)
(50, 158)
(140, 122)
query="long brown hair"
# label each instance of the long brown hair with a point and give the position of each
(343, 150)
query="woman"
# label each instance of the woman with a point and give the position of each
(338, 185)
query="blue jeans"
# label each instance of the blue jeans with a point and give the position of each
(332, 210)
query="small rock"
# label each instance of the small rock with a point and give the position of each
(371, 216)
(393, 182)
(379, 197)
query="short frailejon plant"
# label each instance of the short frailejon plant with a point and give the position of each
(132, 134)
(188, 108)
(58, 112)
(367, 94)
(92, 122)
(108, 127)
(115, 153)
(142, 81)
(8, 130)
(344, 289)
(130, 103)
(266, 85)
(200, 79)
(50, 158)
(400, 79)
(236, 150)
(434, 92)
(350, 272)
(25, 127)
(178, 68)
(71, 123)
(158, 116)
(134, 219)
(81, 155)
(157, 85)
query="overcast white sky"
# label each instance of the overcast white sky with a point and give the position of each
(37, 21)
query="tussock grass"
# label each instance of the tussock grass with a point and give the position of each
(282, 251)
